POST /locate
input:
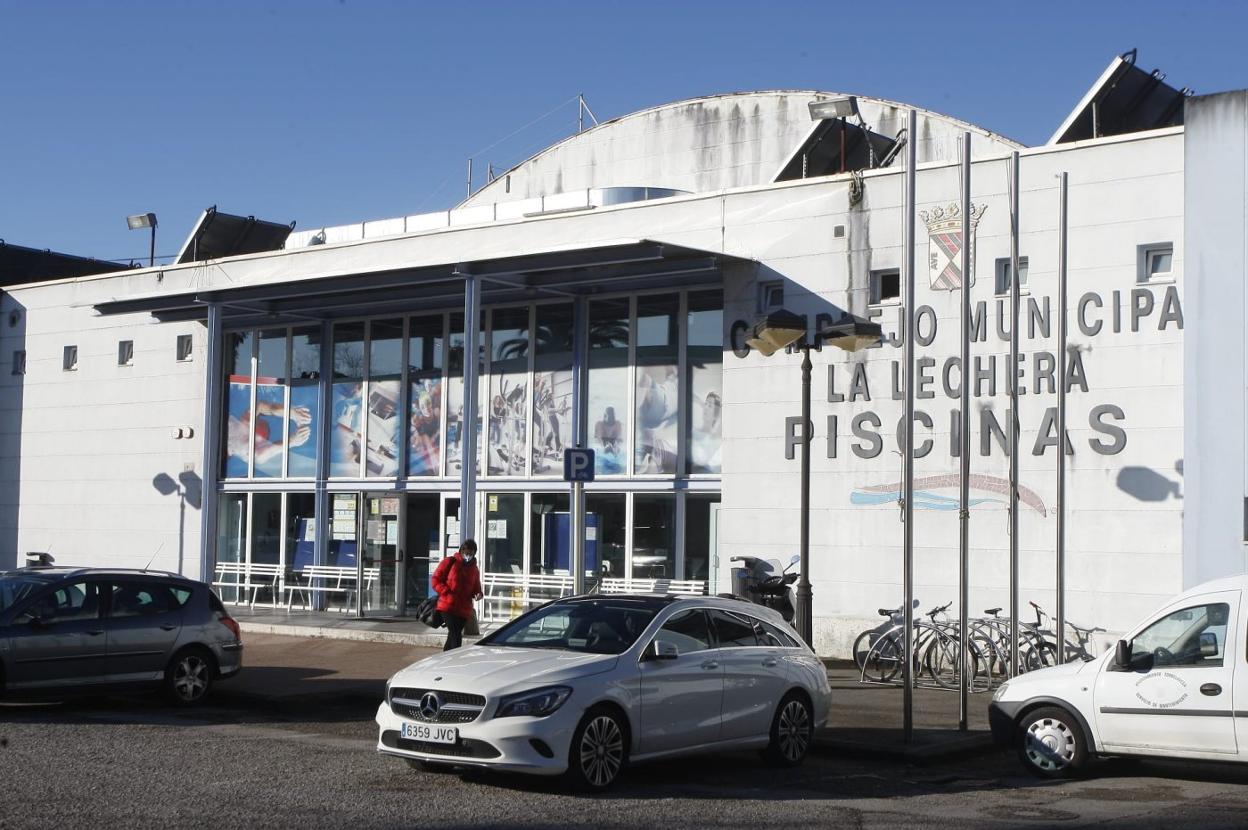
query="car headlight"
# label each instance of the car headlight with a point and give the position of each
(1000, 692)
(536, 703)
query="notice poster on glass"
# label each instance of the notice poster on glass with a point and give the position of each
(301, 459)
(508, 424)
(270, 430)
(383, 428)
(552, 420)
(496, 529)
(424, 436)
(238, 429)
(608, 412)
(345, 441)
(658, 413)
(705, 432)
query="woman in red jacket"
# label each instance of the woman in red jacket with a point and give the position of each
(458, 583)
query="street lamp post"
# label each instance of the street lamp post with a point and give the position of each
(145, 220)
(783, 329)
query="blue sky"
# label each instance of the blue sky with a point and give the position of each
(334, 111)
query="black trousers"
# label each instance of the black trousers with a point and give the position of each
(454, 630)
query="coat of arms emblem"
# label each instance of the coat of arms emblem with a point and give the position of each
(944, 245)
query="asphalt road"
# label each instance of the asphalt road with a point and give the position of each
(134, 762)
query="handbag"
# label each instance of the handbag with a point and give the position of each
(427, 612)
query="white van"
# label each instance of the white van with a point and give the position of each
(1176, 687)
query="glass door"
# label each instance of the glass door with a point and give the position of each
(420, 545)
(380, 576)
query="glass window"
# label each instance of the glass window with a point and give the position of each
(343, 530)
(75, 601)
(125, 353)
(654, 536)
(885, 286)
(1193, 637)
(424, 356)
(300, 530)
(1004, 269)
(552, 388)
(384, 397)
(773, 635)
(732, 631)
(550, 535)
(231, 539)
(69, 360)
(706, 380)
(658, 386)
(305, 402)
(16, 587)
(455, 394)
(141, 599)
(509, 381)
(1158, 263)
(270, 415)
(346, 441)
(605, 526)
(238, 350)
(183, 347)
(504, 533)
(597, 626)
(687, 630)
(608, 385)
(700, 532)
(266, 528)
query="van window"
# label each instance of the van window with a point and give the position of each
(1192, 637)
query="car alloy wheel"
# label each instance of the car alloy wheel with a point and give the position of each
(190, 677)
(793, 731)
(601, 751)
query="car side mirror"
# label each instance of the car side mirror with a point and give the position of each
(1122, 656)
(662, 650)
(1208, 644)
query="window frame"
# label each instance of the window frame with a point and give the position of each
(1002, 270)
(125, 352)
(19, 362)
(69, 359)
(1145, 254)
(875, 286)
(187, 355)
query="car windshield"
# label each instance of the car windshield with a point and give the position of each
(16, 587)
(594, 626)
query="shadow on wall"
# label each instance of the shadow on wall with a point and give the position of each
(188, 487)
(1146, 484)
(12, 380)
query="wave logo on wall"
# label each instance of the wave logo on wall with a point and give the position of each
(990, 490)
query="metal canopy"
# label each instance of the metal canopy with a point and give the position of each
(1125, 99)
(217, 235)
(632, 265)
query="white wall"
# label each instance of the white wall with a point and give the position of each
(1216, 238)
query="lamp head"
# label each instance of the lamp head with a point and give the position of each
(775, 331)
(140, 221)
(852, 334)
(833, 108)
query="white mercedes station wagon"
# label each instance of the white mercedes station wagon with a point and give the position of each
(583, 686)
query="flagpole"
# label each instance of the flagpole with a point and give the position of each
(964, 455)
(907, 454)
(1012, 385)
(1062, 337)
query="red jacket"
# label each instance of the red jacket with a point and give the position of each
(456, 582)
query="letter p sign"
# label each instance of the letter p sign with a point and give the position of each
(578, 465)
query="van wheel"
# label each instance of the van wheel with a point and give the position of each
(599, 750)
(189, 676)
(1052, 743)
(792, 729)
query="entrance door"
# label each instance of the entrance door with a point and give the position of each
(380, 562)
(420, 545)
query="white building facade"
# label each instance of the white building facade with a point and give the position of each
(303, 407)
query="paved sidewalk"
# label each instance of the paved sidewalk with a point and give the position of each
(288, 672)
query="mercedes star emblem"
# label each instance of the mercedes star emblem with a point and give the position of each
(429, 705)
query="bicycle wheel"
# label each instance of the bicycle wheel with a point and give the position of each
(1040, 654)
(883, 661)
(862, 646)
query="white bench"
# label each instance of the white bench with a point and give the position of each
(249, 576)
(677, 587)
(516, 592)
(329, 579)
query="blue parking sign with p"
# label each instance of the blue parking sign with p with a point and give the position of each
(578, 465)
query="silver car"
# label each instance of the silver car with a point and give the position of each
(74, 629)
(583, 686)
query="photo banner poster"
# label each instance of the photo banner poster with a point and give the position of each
(238, 429)
(383, 427)
(302, 427)
(508, 424)
(344, 446)
(454, 422)
(608, 413)
(552, 420)
(270, 430)
(658, 414)
(705, 431)
(424, 437)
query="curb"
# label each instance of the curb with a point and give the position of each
(411, 638)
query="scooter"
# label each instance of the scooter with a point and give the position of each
(767, 587)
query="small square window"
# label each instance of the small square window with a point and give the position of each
(125, 352)
(19, 362)
(1155, 263)
(1003, 275)
(885, 286)
(184, 347)
(69, 361)
(770, 296)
